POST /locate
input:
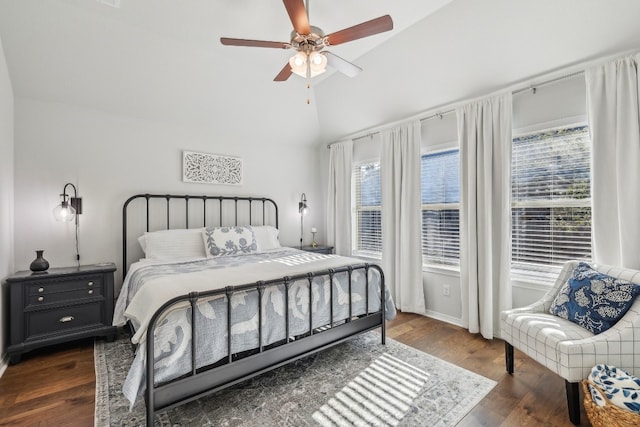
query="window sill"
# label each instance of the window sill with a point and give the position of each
(528, 282)
(451, 270)
(367, 256)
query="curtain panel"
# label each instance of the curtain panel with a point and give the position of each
(339, 197)
(613, 100)
(402, 216)
(484, 132)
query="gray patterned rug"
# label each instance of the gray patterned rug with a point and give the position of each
(359, 382)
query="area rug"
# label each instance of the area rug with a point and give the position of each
(358, 382)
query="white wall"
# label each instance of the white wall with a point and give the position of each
(110, 157)
(6, 189)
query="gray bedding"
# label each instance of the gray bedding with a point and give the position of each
(150, 281)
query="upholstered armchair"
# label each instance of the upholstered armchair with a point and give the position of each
(568, 349)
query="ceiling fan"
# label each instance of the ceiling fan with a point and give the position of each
(311, 58)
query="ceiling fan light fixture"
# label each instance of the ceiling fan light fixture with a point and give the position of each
(309, 41)
(317, 63)
(298, 63)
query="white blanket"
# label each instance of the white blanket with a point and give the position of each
(620, 388)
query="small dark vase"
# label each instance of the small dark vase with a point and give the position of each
(39, 264)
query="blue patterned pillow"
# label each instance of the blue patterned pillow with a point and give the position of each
(593, 300)
(226, 241)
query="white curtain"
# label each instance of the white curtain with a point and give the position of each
(339, 197)
(402, 216)
(484, 132)
(613, 100)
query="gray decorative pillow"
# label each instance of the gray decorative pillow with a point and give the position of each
(228, 241)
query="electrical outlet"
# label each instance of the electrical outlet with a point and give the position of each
(446, 290)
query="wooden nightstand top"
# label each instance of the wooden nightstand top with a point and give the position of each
(319, 249)
(21, 276)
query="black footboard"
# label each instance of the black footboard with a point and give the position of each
(201, 382)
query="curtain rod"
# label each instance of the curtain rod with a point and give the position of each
(533, 88)
(424, 119)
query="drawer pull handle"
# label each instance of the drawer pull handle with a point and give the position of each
(90, 284)
(90, 291)
(40, 299)
(40, 290)
(66, 319)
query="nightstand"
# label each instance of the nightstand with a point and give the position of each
(319, 249)
(61, 304)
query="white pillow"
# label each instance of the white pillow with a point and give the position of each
(172, 244)
(266, 237)
(228, 241)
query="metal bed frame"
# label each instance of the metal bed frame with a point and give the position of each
(239, 367)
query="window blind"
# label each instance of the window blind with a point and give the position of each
(368, 203)
(551, 201)
(441, 208)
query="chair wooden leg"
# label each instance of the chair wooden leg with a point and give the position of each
(573, 401)
(508, 357)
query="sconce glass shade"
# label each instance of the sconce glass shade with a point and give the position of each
(302, 205)
(302, 208)
(64, 212)
(69, 207)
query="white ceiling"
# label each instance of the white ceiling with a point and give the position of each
(162, 60)
(472, 48)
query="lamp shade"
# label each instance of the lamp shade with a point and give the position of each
(302, 205)
(317, 63)
(64, 212)
(298, 63)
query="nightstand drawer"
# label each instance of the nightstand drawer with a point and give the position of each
(68, 296)
(63, 319)
(48, 286)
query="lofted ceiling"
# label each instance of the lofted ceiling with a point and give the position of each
(162, 60)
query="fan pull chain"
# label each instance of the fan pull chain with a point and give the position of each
(308, 90)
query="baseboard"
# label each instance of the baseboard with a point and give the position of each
(445, 318)
(4, 363)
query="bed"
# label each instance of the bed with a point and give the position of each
(215, 299)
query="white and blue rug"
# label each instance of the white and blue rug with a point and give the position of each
(359, 382)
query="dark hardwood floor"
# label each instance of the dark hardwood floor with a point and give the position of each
(56, 386)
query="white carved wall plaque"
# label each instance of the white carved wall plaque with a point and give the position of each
(211, 168)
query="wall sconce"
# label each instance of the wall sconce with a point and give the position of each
(302, 209)
(68, 210)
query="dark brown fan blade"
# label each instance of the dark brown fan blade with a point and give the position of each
(298, 15)
(253, 43)
(365, 29)
(284, 74)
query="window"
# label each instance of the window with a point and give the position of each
(441, 208)
(368, 205)
(551, 201)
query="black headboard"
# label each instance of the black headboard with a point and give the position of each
(169, 211)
